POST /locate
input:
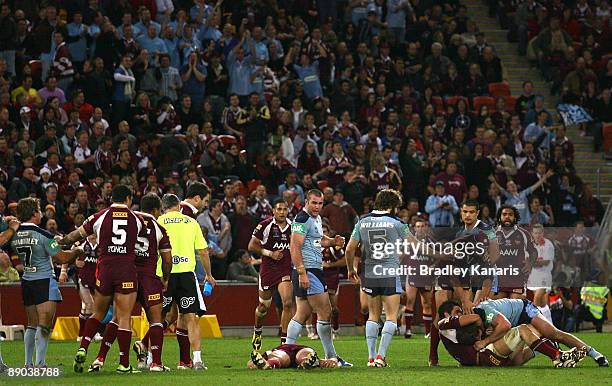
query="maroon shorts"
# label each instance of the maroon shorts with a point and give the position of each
(487, 358)
(332, 279)
(269, 278)
(150, 289)
(116, 277)
(87, 279)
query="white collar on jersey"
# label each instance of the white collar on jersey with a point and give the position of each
(193, 208)
(475, 225)
(381, 212)
(286, 225)
(29, 223)
(119, 205)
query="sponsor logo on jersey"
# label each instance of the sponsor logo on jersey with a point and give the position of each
(187, 301)
(120, 214)
(298, 228)
(179, 259)
(508, 252)
(167, 300)
(127, 284)
(280, 246)
(154, 297)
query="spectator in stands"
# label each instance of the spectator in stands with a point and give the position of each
(219, 228)
(7, 272)
(441, 207)
(242, 268)
(340, 215)
(291, 184)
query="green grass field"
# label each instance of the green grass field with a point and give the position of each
(226, 359)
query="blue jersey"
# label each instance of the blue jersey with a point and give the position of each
(35, 248)
(374, 232)
(312, 229)
(510, 308)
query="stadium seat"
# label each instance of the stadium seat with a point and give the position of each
(510, 103)
(252, 185)
(484, 100)
(452, 100)
(500, 89)
(438, 103)
(322, 184)
(36, 66)
(607, 138)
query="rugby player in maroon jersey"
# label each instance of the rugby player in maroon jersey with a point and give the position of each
(333, 259)
(516, 249)
(270, 240)
(459, 332)
(86, 277)
(288, 356)
(117, 228)
(419, 284)
(150, 286)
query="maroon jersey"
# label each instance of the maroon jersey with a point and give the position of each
(116, 228)
(87, 273)
(337, 176)
(515, 248)
(385, 180)
(274, 238)
(147, 247)
(290, 349)
(415, 263)
(331, 255)
(466, 354)
(189, 210)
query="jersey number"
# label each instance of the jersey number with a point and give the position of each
(377, 239)
(120, 234)
(25, 253)
(142, 243)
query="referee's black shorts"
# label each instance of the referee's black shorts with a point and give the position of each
(183, 289)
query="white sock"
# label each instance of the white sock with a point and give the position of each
(546, 312)
(149, 358)
(196, 357)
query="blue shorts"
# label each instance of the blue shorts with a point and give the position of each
(385, 286)
(317, 283)
(40, 291)
(529, 312)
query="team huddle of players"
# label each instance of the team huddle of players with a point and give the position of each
(150, 257)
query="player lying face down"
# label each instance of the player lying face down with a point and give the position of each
(289, 356)
(459, 332)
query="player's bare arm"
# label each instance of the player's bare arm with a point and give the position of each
(68, 257)
(349, 256)
(501, 326)
(13, 224)
(337, 241)
(255, 246)
(205, 258)
(74, 236)
(295, 246)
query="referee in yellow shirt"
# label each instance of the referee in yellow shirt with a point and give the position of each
(185, 238)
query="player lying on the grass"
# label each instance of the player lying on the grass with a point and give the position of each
(287, 356)
(459, 332)
(503, 314)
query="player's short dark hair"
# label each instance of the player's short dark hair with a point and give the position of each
(471, 202)
(121, 193)
(149, 202)
(197, 189)
(26, 208)
(517, 215)
(468, 335)
(314, 192)
(169, 200)
(447, 307)
(388, 199)
(278, 201)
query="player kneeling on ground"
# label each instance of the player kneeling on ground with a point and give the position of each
(287, 356)
(459, 332)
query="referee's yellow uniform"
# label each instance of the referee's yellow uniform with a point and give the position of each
(185, 237)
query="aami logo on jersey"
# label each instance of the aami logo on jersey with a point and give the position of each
(154, 297)
(90, 259)
(120, 214)
(127, 285)
(280, 246)
(509, 252)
